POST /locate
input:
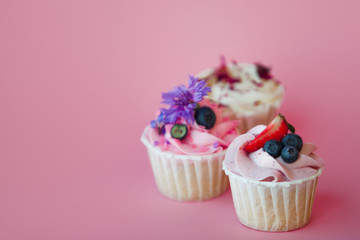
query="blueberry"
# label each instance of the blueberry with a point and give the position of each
(289, 154)
(294, 140)
(273, 147)
(206, 117)
(179, 131)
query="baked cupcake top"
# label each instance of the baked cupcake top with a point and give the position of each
(243, 87)
(191, 125)
(270, 153)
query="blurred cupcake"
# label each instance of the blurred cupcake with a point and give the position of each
(273, 177)
(249, 91)
(187, 142)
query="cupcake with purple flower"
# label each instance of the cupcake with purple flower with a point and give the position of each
(186, 143)
(248, 90)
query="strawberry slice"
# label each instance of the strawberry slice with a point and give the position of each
(277, 129)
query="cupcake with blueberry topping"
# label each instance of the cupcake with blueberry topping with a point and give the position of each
(273, 177)
(187, 143)
(249, 91)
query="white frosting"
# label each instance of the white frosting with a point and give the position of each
(248, 96)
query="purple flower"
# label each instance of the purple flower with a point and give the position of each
(182, 102)
(198, 89)
(160, 119)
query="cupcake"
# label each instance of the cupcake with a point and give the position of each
(273, 177)
(187, 142)
(249, 92)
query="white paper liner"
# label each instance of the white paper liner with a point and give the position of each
(273, 206)
(264, 117)
(187, 178)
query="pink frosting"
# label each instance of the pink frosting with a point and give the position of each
(199, 141)
(259, 165)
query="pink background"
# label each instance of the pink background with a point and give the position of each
(79, 80)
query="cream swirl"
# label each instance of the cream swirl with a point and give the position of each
(199, 141)
(259, 165)
(248, 93)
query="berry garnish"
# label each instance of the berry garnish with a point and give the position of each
(206, 117)
(179, 131)
(263, 71)
(222, 74)
(276, 130)
(294, 140)
(273, 147)
(289, 154)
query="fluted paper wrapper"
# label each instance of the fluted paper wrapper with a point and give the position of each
(273, 206)
(265, 116)
(187, 178)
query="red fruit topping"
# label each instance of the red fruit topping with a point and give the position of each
(223, 74)
(263, 71)
(276, 130)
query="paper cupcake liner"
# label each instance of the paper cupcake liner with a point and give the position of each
(187, 178)
(263, 116)
(273, 206)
